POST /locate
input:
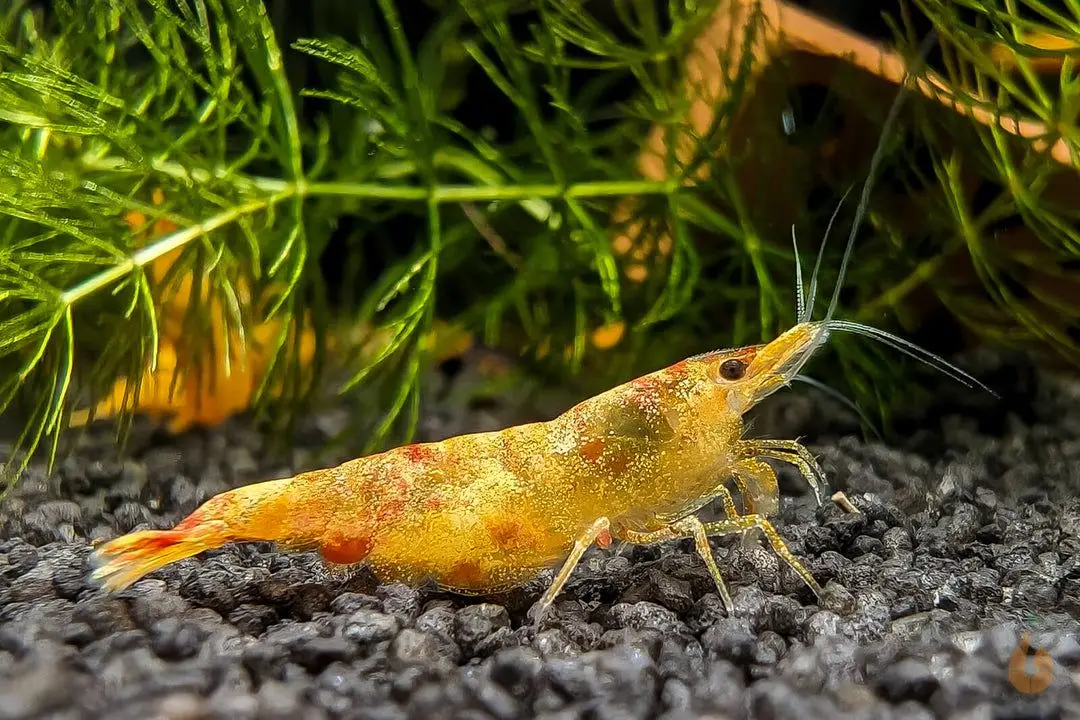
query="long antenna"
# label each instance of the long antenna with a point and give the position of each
(897, 343)
(911, 350)
(864, 200)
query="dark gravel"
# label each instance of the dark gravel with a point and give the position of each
(968, 534)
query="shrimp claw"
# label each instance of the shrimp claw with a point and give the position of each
(792, 453)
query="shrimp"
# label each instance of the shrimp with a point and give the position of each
(489, 511)
(486, 512)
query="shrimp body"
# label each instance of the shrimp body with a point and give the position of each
(488, 511)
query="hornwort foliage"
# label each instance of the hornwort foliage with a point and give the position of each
(274, 140)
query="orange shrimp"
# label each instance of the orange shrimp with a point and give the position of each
(489, 511)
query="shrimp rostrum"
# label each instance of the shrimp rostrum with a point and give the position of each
(489, 511)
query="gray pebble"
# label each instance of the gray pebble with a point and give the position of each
(367, 626)
(966, 535)
(474, 623)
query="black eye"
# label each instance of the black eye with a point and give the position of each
(732, 369)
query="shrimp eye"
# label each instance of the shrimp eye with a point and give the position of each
(732, 369)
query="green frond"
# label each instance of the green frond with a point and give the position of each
(481, 166)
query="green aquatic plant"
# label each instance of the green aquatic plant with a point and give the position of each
(346, 174)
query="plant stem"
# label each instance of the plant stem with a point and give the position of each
(165, 245)
(283, 190)
(386, 191)
(479, 193)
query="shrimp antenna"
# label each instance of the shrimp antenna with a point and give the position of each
(864, 200)
(800, 301)
(897, 343)
(910, 349)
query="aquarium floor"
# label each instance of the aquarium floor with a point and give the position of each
(969, 533)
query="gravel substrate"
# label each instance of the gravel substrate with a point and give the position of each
(968, 534)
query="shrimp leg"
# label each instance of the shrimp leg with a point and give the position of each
(721, 492)
(732, 526)
(600, 533)
(755, 479)
(761, 474)
(792, 453)
(689, 526)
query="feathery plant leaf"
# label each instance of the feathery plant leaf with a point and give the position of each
(81, 152)
(176, 176)
(212, 130)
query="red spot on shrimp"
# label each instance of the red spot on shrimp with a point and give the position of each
(418, 453)
(645, 390)
(616, 464)
(390, 509)
(603, 540)
(592, 449)
(391, 494)
(346, 550)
